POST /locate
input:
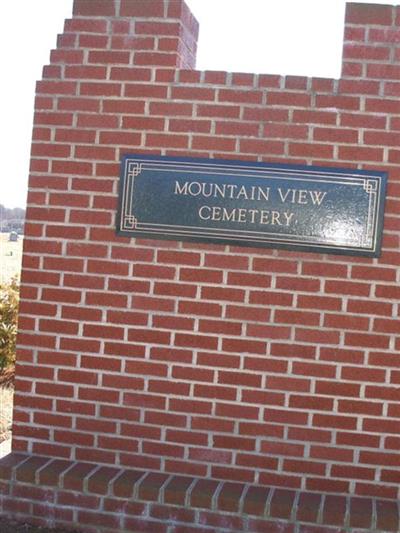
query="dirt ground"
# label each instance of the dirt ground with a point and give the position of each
(6, 403)
(11, 526)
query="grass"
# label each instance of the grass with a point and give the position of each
(10, 257)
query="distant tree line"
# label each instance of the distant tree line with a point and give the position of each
(12, 219)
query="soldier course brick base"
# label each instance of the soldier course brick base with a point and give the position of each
(53, 492)
(247, 381)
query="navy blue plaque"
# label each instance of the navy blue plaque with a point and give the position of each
(252, 204)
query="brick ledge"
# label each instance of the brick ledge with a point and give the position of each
(26, 479)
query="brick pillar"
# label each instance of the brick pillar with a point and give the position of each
(223, 372)
(370, 47)
(162, 32)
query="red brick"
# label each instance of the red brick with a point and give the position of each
(267, 397)
(17, 506)
(265, 114)
(285, 131)
(346, 321)
(200, 275)
(236, 128)
(281, 504)
(269, 80)
(240, 96)
(199, 308)
(313, 435)
(373, 272)
(334, 421)
(319, 302)
(383, 359)
(362, 120)
(288, 383)
(331, 453)
(334, 510)
(270, 298)
(384, 393)
(335, 135)
(220, 392)
(219, 361)
(314, 116)
(361, 513)
(301, 284)
(243, 346)
(261, 525)
(126, 73)
(357, 373)
(156, 59)
(316, 402)
(142, 90)
(390, 476)
(216, 326)
(196, 341)
(382, 106)
(296, 317)
(332, 388)
(259, 146)
(86, 8)
(213, 143)
(168, 513)
(90, 40)
(152, 336)
(173, 323)
(347, 287)
(84, 282)
(363, 407)
(255, 500)
(223, 293)
(265, 365)
(376, 490)
(292, 99)
(369, 14)
(154, 271)
(142, 9)
(216, 77)
(327, 485)
(234, 378)
(247, 313)
(271, 264)
(186, 125)
(282, 416)
(387, 515)
(59, 326)
(365, 52)
(215, 361)
(310, 467)
(308, 507)
(169, 141)
(367, 340)
(326, 336)
(349, 438)
(193, 93)
(384, 35)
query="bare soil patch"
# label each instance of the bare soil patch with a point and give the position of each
(12, 526)
(6, 403)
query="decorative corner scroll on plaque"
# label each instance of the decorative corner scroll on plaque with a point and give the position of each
(303, 208)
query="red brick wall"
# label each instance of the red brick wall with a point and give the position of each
(253, 365)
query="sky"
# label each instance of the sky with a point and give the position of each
(300, 37)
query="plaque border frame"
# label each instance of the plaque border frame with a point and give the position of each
(373, 182)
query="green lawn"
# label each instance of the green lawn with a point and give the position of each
(10, 257)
